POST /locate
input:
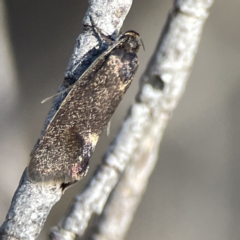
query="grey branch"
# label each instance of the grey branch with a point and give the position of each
(31, 203)
(137, 143)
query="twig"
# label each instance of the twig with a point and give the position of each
(32, 202)
(172, 64)
(138, 140)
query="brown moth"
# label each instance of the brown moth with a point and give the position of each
(63, 152)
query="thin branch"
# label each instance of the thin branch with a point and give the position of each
(138, 140)
(171, 64)
(32, 202)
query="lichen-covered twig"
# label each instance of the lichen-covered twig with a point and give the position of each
(32, 202)
(138, 140)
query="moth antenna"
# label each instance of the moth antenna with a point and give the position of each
(57, 94)
(98, 34)
(142, 43)
(95, 29)
(47, 99)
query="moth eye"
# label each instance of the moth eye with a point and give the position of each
(134, 63)
(125, 74)
(133, 44)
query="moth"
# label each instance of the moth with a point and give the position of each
(64, 150)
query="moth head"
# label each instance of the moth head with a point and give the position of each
(132, 41)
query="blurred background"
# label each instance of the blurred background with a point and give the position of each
(194, 191)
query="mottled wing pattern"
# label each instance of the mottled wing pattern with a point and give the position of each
(68, 142)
